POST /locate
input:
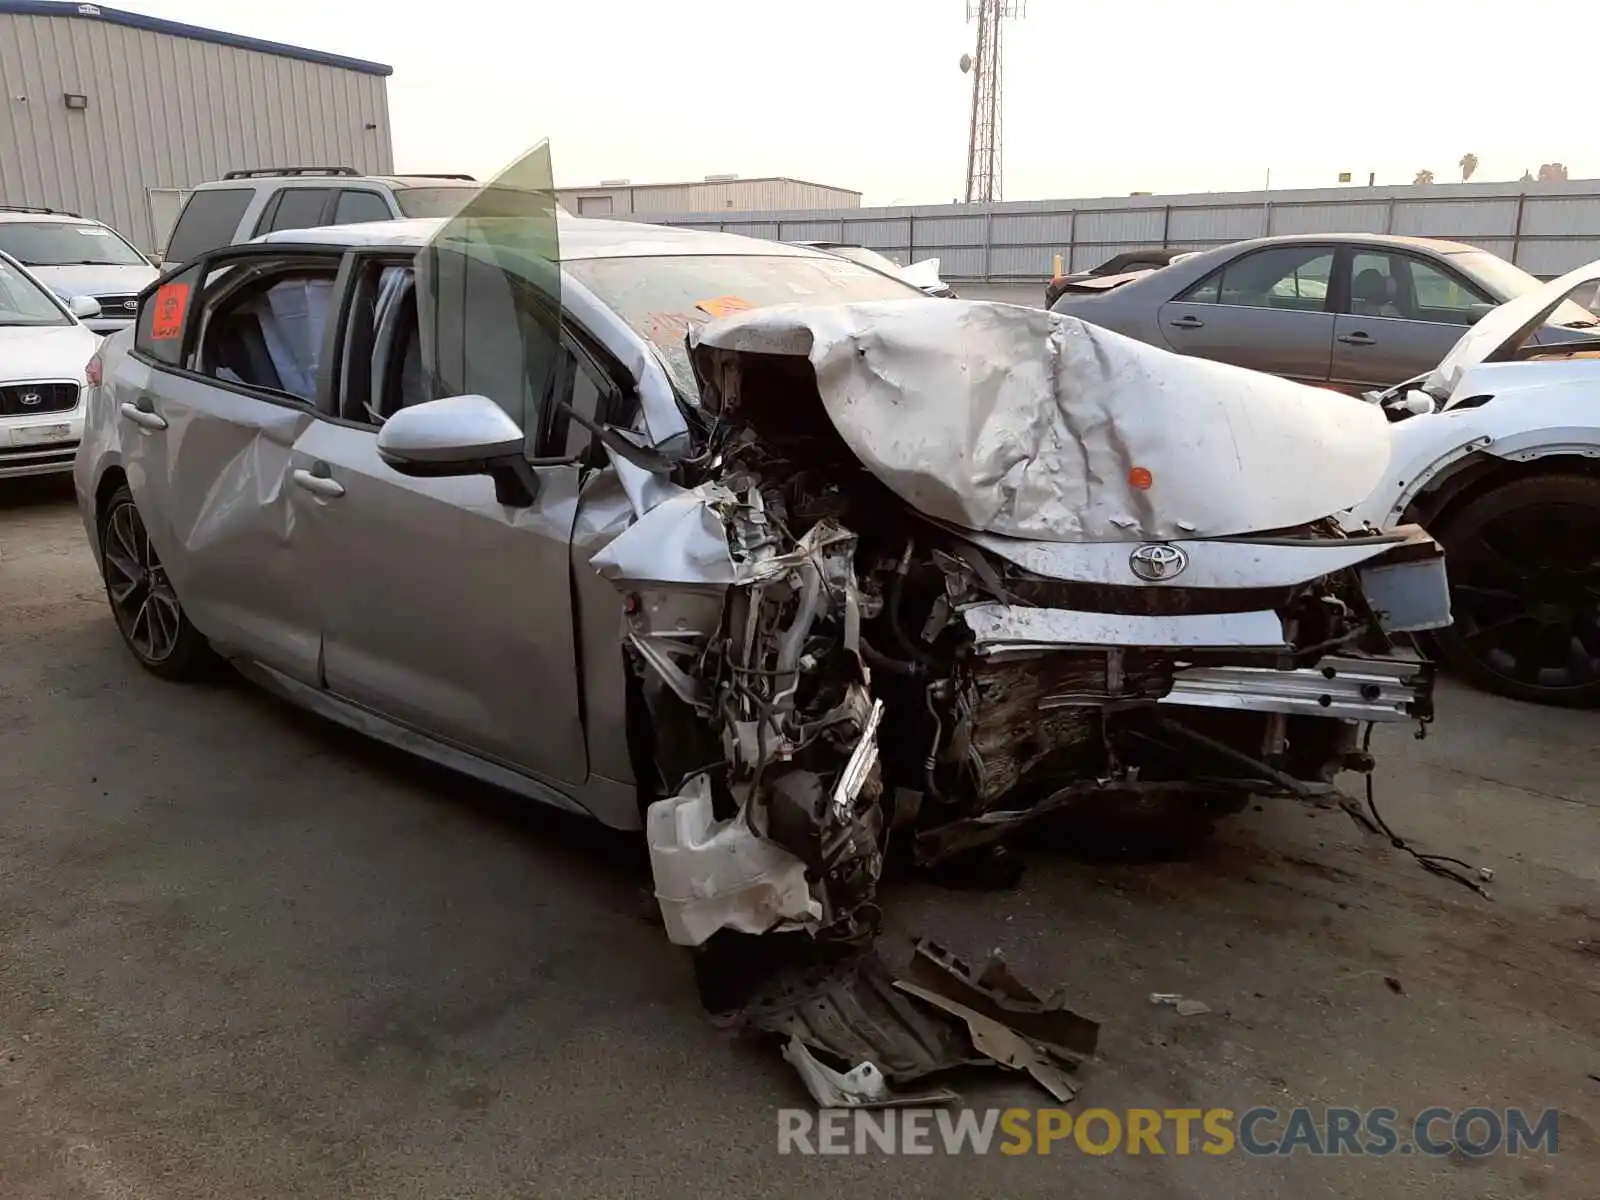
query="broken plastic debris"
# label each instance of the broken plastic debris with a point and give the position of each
(1184, 1006)
(863, 1086)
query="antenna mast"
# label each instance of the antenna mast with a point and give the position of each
(984, 139)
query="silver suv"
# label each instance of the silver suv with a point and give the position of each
(246, 204)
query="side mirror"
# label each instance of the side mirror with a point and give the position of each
(460, 435)
(155, 260)
(83, 307)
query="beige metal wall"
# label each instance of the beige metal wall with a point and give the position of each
(166, 112)
(732, 195)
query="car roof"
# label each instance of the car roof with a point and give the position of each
(1437, 245)
(580, 237)
(334, 180)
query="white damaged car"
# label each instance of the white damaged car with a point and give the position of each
(1497, 452)
(44, 351)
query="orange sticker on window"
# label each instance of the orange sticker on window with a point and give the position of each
(171, 303)
(1141, 478)
(721, 306)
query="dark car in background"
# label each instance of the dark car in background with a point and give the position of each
(1129, 262)
(1348, 311)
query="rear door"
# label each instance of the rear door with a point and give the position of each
(220, 383)
(1401, 314)
(442, 608)
(1268, 309)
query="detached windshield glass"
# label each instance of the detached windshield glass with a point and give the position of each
(662, 298)
(64, 244)
(23, 302)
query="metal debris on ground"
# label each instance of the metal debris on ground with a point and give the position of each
(895, 1030)
(1184, 1005)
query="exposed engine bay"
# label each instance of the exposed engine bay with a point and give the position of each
(836, 675)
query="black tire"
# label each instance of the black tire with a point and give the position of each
(1524, 564)
(152, 623)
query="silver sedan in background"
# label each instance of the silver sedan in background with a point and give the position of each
(1348, 311)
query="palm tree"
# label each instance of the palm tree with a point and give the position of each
(1424, 176)
(1469, 164)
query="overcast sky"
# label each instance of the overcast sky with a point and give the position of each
(1100, 99)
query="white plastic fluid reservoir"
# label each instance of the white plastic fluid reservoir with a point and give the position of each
(713, 875)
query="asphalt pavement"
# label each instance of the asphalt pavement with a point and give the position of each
(246, 954)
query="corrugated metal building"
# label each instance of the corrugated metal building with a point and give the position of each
(1545, 228)
(113, 114)
(620, 198)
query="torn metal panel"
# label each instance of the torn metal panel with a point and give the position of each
(1001, 996)
(681, 539)
(1000, 1043)
(854, 1014)
(996, 626)
(1036, 425)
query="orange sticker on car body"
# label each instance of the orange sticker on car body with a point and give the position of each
(721, 306)
(171, 304)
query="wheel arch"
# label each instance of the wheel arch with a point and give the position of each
(1464, 481)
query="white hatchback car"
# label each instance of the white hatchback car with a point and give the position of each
(44, 352)
(74, 256)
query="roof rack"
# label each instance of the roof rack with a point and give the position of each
(259, 172)
(437, 175)
(23, 208)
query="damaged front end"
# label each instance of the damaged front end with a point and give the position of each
(851, 630)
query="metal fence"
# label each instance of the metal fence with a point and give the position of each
(1545, 228)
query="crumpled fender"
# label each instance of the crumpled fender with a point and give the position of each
(1561, 418)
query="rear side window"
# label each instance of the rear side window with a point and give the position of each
(356, 206)
(295, 208)
(210, 219)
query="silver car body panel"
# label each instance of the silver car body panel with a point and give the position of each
(1029, 424)
(1352, 689)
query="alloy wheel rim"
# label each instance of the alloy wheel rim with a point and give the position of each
(141, 594)
(1526, 595)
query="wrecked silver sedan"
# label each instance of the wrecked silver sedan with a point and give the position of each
(744, 544)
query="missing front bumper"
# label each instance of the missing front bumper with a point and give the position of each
(1352, 689)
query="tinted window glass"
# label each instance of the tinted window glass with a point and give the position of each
(354, 207)
(1444, 298)
(298, 208)
(1374, 285)
(66, 243)
(210, 219)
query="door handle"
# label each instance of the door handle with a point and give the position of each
(1187, 323)
(320, 485)
(142, 415)
(1356, 339)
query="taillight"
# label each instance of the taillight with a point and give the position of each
(92, 371)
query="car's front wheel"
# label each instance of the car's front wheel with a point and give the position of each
(1524, 564)
(152, 622)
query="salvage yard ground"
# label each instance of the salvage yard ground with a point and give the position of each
(243, 953)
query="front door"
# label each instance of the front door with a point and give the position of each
(1402, 315)
(220, 384)
(443, 609)
(1267, 310)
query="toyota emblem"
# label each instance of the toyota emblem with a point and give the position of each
(31, 398)
(1157, 562)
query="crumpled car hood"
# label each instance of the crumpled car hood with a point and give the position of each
(1032, 424)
